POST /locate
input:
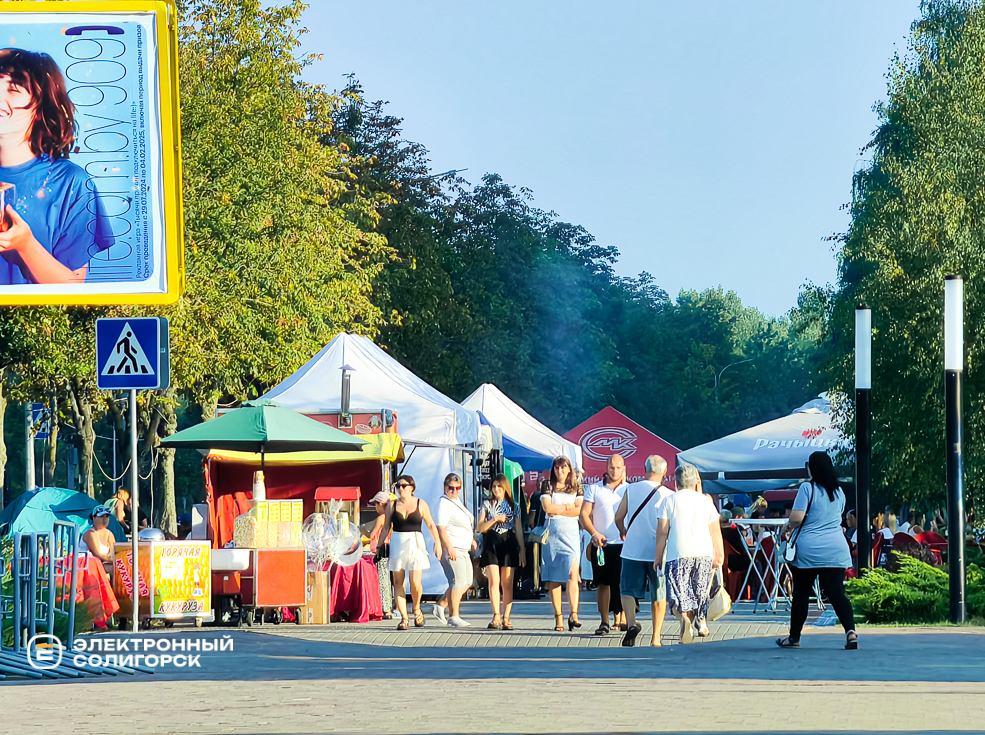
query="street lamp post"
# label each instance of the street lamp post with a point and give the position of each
(953, 369)
(718, 378)
(863, 433)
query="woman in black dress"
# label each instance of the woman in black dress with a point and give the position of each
(503, 549)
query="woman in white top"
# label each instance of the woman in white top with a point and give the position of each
(689, 532)
(457, 531)
(562, 552)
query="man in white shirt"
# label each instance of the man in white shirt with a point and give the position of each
(598, 517)
(636, 520)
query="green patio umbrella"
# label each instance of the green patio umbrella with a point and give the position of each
(264, 426)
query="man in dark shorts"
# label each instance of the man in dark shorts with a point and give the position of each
(598, 517)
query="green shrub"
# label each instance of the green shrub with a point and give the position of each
(917, 593)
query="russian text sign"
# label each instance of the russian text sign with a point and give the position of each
(89, 154)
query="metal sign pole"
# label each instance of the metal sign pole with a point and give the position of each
(29, 447)
(134, 510)
(132, 354)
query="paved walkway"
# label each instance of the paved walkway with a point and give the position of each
(291, 680)
(533, 624)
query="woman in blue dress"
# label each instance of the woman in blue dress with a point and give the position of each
(562, 552)
(52, 221)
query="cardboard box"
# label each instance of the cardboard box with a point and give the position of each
(315, 612)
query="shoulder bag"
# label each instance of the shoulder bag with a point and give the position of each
(788, 552)
(719, 603)
(541, 533)
(589, 549)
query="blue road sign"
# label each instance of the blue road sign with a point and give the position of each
(39, 412)
(132, 353)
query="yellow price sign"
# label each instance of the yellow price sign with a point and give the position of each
(181, 578)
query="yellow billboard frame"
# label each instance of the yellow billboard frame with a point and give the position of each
(166, 21)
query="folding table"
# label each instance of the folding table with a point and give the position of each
(776, 566)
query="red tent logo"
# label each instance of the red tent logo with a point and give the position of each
(604, 442)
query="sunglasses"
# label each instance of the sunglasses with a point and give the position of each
(402, 485)
(454, 487)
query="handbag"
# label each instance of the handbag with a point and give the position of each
(719, 603)
(539, 535)
(788, 549)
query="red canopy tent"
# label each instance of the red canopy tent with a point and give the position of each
(609, 432)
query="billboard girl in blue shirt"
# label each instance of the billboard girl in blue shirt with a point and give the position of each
(57, 222)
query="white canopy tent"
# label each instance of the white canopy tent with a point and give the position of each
(768, 456)
(521, 430)
(441, 435)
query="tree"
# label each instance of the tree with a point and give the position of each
(918, 214)
(487, 287)
(277, 259)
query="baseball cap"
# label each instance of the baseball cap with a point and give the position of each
(381, 497)
(100, 510)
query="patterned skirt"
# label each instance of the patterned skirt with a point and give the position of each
(689, 584)
(386, 587)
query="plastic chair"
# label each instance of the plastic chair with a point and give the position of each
(768, 546)
(936, 543)
(902, 540)
(933, 540)
(733, 579)
(877, 539)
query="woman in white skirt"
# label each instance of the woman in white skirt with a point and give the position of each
(408, 553)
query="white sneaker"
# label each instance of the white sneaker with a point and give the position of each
(439, 614)
(457, 622)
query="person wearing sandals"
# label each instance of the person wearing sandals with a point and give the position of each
(598, 514)
(689, 537)
(408, 553)
(457, 530)
(502, 548)
(563, 550)
(381, 502)
(822, 552)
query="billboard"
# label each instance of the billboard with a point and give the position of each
(90, 174)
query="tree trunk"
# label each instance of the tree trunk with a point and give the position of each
(51, 459)
(169, 517)
(120, 429)
(209, 402)
(81, 408)
(88, 433)
(3, 444)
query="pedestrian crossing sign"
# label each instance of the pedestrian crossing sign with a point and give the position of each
(132, 353)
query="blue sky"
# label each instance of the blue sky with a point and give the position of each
(712, 144)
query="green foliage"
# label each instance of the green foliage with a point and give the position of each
(487, 287)
(278, 258)
(918, 593)
(918, 214)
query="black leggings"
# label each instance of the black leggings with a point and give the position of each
(833, 586)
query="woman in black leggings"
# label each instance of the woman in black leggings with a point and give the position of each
(815, 530)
